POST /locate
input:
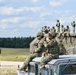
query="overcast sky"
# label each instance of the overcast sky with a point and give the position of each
(22, 18)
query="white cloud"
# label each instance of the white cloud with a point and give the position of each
(55, 3)
(7, 10)
(37, 9)
(34, 1)
(10, 10)
(48, 13)
(13, 20)
(30, 24)
(3, 26)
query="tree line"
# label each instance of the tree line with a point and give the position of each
(16, 42)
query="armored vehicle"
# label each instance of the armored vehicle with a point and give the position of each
(65, 65)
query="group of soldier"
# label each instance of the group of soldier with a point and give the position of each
(47, 45)
(63, 29)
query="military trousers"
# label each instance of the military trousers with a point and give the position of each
(48, 58)
(28, 59)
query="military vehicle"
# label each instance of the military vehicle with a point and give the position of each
(65, 65)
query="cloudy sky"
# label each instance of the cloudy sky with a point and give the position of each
(26, 17)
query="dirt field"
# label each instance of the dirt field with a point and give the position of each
(9, 68)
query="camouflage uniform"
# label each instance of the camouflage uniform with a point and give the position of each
(73, 25)
(32, 45)
(67, 31)
(63, 29)
(58, 26)
(45, 30)
(36, 53)
(52, 49)
(53, 29)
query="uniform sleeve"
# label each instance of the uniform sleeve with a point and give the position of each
(49, 44)
(40, 46)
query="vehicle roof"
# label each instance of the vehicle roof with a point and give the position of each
(61, 59)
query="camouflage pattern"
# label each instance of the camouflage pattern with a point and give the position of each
(64, 43)
(67, 31)
(58, 26)
(62, 48)
(32, 45)
(73, 26)
(59, 38)
(44, 29)
(39, 48)
(52, 49)
(62, 29)
(53, 29)
(48, 29)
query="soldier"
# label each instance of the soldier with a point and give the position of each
(73, 26)
(32, 46)
(58, 26)
(67, 31)
(53, 29)
(48, 29)
(37, 52)
(62, 48)
(62, 29)
(52, 49)
(59, 39)
(44, 30)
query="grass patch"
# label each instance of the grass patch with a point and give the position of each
(14, 54)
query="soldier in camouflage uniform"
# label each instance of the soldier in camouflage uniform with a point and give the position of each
(53, 29)
(58, 26)
(73, 25)
(67, 31)
(62, 29)
(59, 39)
(44, 30)
(36, 52)
(48, 29)
(52, 49)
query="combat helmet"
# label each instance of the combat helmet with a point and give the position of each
(52, 33)
(40, 34)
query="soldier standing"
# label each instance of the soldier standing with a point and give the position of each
(73, 26)
(58, 26)
(52, 49)
(62, 29)
(37, 52)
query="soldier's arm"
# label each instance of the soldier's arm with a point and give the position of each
(40, 46)
(49, 44)
(52, 42)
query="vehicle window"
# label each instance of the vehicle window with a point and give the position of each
(67, 69)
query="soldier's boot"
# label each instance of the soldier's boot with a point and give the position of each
(23, 68)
